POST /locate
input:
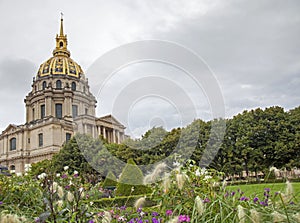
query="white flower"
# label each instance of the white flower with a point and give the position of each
(54, 186)
(197, 173)
(27, 167)
(18, 174)
(58, 175)
(176, 163)
(91, 203)
(75, 172)
(241, 214)
(122, 218)
(207, 177)
(80, 189)
(180, 178)
(107, 217)
(132, 189)
(42, 176)
(203, 171)
(60, 203)
(70, 196)
(66, 168)
(272, 169)
(60, 192)
(199, 205)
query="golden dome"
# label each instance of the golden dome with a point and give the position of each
(60, 63)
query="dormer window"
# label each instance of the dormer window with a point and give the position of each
(73, 86)
(44, 85)
(58, 84)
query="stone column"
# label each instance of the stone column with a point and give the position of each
(104, 132)
(93, 131)
(48, 107)
(85, 128)
(114, 135)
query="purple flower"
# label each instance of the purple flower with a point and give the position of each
(232, 193)
(67, 187)
(267, 189)
(169, 212)
(1, 202)
(139, 210)
(64, 176)
(154, 214)
(263, 203)
(184, 218)
(123, 207)
(76, 175)
(244, 198)
(91, 221)
(154, 220)
(291, 203)
(206, 200)
(255, 199)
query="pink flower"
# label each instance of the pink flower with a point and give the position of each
(184, 218)
(169, 212)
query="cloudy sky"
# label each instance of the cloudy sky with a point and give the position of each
(251, 49)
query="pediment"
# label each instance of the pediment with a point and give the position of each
(10, 128)
(110, 119)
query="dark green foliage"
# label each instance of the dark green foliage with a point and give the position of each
(41, 167)
(131, 181)
(110, 180)
(121, 201)
(254, 141)
(70, 155)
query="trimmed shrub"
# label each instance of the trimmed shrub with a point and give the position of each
(110, 180)
(131, 181)
(121, 201)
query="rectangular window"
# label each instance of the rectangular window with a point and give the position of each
(13, 144)
(58, 110)
(33, 114)
(86, 111)
(42, 111)
(74, 111)
(68, 137)
(41, 141)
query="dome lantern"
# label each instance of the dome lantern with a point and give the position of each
(61, 42)
(61, 62)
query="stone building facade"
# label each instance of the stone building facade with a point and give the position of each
(59, 105)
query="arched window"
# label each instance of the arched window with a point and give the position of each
(12, 167)
(44, 85)
(73, 86)
(58, 84)
(13, 144)
(61, 44)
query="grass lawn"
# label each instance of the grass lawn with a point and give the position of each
(252, 190)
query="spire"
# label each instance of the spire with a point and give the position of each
(61, 41)
(61, 24)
